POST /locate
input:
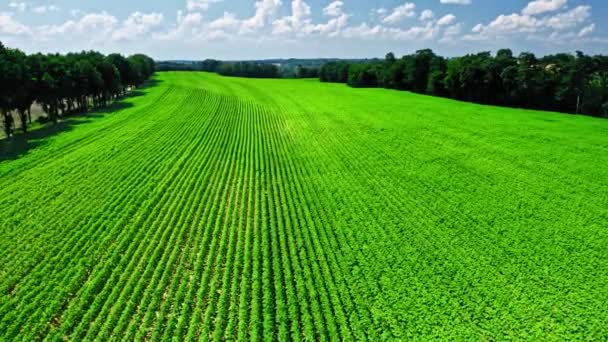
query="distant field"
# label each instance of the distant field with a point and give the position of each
(229, 208)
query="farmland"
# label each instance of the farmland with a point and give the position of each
(228, 208)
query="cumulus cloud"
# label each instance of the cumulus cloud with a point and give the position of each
(456, 2)
(198, 5)
(451, 33)
(587, 30)
(96, 25)
(227, 21)
(19, 6)
(569, 19)
(536, 21)
(136, 25)
(300, 21)
(334, 9)
(446, 20)
(426, 15)
(264, 10)
(10, 26)
(188, 24)
(44, 9)
(399, 13)
(543, 6)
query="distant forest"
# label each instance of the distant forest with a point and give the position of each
(64, 84)
(279, 68)
(563, 82)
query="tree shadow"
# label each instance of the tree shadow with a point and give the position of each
(149, 84)
(21, 143)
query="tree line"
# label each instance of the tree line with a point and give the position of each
(571, 83)
(64, 84)
(261, 69)
(249, 69)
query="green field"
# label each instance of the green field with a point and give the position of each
(227, 208)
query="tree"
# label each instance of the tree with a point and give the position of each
(62, 84)
(390, 58)
(14, 88)
(363, 75)
(334, 72)
(422, 66)
(6, 74)
(23, 90)
(122, 66)
(562, 82)
(246, 69)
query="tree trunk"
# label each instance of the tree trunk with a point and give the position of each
(29, 115)
(23, 119)
(8, 123)
(53, 113)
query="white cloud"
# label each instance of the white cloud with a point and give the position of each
(300, 21)
(587, 30)
(301, 26)
(227, 21)
(196, 5)
(264, 10)
(334, 9)
(44, 9)
(8, 25)
(456, 2)
(362, 31)
(453, 30)
(333, 26)
(426, 32)
(96, 27)
(19, 6)
(512, 23)
(543, 6)
(450, 33)
(136, 25)
(558, 28)
(568, 19)
(446, 20)
(399, 13)
(186, 26)
(426, 15)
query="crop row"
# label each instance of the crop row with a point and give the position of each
(193, 226)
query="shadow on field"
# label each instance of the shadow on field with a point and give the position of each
(21, 143)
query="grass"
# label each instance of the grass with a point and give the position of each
(226, 208)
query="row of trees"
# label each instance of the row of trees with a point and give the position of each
(306, 72)
(239, 69)
(209, 65)
(261, 69)
(248, 69)
(64, 84)
(573, 83)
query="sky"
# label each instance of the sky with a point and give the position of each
(250, 29)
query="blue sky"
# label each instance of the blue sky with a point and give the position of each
(250, 29)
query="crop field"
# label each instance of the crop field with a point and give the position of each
(241, 209)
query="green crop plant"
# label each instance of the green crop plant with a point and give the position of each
(214, 208)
